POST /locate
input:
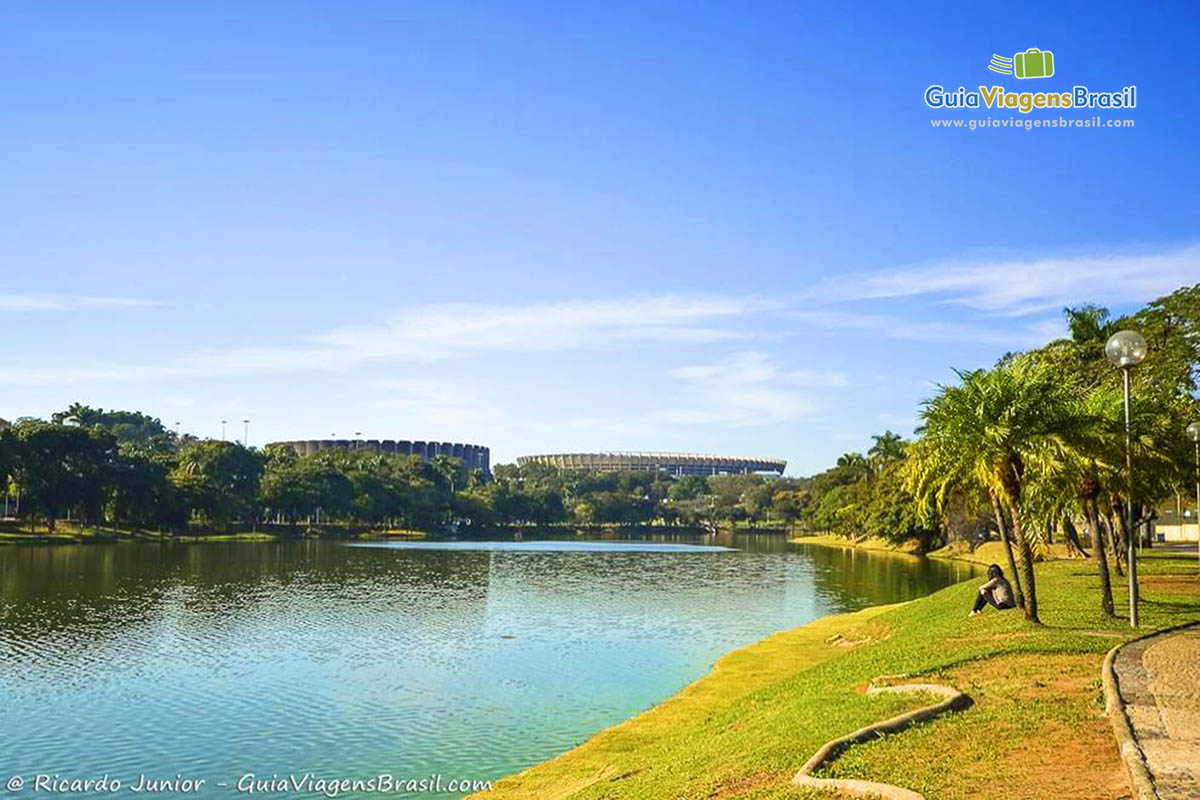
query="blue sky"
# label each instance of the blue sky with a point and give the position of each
(542, 226)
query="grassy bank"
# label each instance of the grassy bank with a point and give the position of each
(983, 554)
(13, 532)
(910, 547)
(1036, 729)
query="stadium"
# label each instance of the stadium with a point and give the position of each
(676, 464)
(473, 456)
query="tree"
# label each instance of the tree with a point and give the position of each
(729, 492)
(756, 501)
(129, 427)
(790, 504)
(689, 487)
(450, 471)
(219, 479)
(855, 465)
(6, 457)
(294, 487)
(1089, 326)
(892, 513)
(59, 468)
(140, 493)
(987, 430)
(888, 448)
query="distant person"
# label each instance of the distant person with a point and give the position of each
(996, 592)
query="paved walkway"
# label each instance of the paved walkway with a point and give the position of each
(1159, 681)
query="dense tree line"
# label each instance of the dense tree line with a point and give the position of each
(1034, 448)
(125, 470)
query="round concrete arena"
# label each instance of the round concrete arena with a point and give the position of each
(672, 463)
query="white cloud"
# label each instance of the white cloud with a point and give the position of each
(744, 390)
(895, 327)
(64, 302)
(440, 403)
(439, 333)
(747, 389)
(1020, 286)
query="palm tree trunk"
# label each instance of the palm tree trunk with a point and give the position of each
(1002, 526)
(1093, 517)
(1116, 527)
(1106, 530)
(1071, 534)
(1028, 581)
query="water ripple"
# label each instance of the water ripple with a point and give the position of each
(472, 660)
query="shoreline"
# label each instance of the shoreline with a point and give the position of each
(751, 721)
(870, 544)
(990, 552)
(70, 534)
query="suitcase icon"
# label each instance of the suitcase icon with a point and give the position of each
(1034, 63)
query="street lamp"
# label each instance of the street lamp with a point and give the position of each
(246, 433)
(1127, 349)
(1193, 432)
(223, 429)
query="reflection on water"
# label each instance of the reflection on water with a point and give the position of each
(552, 546)
(218, 659)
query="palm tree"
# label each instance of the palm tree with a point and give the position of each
(1095, 441)
(855, 464)
(449, 470)
(936, 472)
(1089, 325)
(993, 426)
(888, 449)
(76, 414)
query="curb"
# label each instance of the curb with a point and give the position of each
(955, 701)
(1140, 779)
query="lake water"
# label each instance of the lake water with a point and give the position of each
(468, 660)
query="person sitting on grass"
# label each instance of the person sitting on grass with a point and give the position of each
(996, 592)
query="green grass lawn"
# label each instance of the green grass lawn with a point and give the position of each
(18, 532)
(1036, 729)
(14, 532)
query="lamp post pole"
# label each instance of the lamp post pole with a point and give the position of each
(1129, 532)
(223, 429)
(246, 433)
(1194, 431)
(1127, 349)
